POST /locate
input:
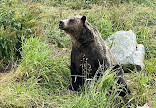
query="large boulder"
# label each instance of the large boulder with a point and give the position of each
(125, 48)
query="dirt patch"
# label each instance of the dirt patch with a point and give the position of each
(56, 52)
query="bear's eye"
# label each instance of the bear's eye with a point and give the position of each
(71, 20)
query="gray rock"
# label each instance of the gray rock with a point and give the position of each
(125, 48)
(147, 105)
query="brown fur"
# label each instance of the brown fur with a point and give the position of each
(88, 51)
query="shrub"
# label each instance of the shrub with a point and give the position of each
(13, 24)
(8, 38)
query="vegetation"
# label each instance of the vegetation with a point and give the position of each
(34, 53)
(15, 21)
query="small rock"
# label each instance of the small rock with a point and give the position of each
(147, 105)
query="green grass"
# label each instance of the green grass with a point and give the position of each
(42, 76)
(96, 93)
(38, 75)
(15, 21)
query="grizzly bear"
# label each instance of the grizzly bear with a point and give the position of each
(88, 52)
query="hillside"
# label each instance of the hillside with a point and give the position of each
(35, 54)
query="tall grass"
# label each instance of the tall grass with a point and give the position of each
(39, 75)
(97, 93)
(38, 63)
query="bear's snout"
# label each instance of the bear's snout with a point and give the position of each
(61, 24)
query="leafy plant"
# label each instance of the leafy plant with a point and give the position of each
(13, 25)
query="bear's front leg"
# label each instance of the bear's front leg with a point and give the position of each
(77, 83)
(77, 79)
(124, 89)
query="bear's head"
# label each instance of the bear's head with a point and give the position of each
(79, 29)
(73, 24)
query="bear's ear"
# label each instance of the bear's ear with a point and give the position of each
(83, 19)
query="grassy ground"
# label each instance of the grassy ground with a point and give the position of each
(40, 79)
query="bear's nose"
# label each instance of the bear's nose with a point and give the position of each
(61, 23)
